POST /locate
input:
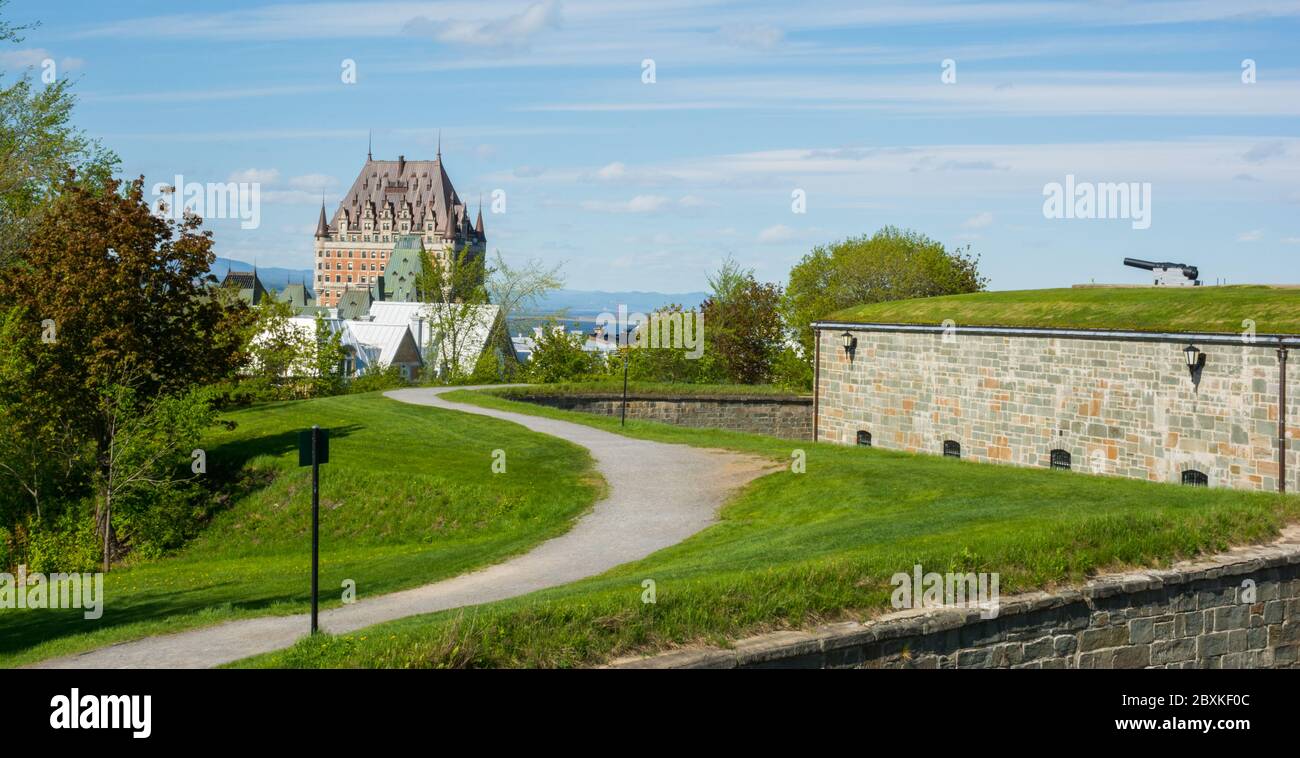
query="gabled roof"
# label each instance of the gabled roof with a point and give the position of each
(423, 319)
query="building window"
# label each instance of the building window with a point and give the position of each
(1194, 478)
(952, 449)
(864, 438)
(1061, 459)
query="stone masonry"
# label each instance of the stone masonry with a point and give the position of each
(789, 417)
(1117, 407)
(1237, 610)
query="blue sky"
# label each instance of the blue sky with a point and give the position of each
(638, 185)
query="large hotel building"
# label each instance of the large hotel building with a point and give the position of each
(390, 200)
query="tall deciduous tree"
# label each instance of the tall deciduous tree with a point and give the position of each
(892, 264)
(38, 144)
(122, 302)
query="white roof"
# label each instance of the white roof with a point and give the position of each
(379, 342)
(419, 319)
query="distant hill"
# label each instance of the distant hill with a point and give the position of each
(575, 302)
(272, 277)
(592, 302)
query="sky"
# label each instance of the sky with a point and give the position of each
(641, 143)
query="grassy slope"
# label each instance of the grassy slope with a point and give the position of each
(793, 549)
(1193, 309)
(615, 386)
(407, 498)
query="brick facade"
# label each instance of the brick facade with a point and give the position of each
(1118, 407)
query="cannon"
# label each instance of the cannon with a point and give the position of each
(1168, 274)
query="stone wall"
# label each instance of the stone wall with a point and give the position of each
(789, 417)
(1117, 407)
(1194, 615)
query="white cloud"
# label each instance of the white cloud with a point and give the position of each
(313, 182)
(776, 234)
(638, 204)
(1264, 151)
(259, 175)
(1251, 236)
(978, 221)
(614, 170)
(36, 57)
(762, 36)
(1291, 240)
(516, 30)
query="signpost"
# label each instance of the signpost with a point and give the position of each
(313, 450)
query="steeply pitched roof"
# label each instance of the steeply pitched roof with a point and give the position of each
(403, 269)
(423, 186)
(297, 295)
(250, 286)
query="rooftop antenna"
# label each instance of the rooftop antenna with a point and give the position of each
(370, 144)
(440, 144)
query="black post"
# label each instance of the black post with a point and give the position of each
(622, 421)
(315, 520)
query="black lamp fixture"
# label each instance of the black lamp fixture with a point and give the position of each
(850, 343)
(1194, 358)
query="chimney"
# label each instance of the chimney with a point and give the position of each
(401, 164)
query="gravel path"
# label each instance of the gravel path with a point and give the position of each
(659, 494)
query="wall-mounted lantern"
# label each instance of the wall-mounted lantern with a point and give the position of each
(1195, 363)
(850, 344)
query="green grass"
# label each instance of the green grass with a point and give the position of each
(795, 549)
(1177, 309)
(642, 389)
(407, 498)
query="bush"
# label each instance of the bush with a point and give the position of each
(67, 542)
(378, 378)
(558, 357)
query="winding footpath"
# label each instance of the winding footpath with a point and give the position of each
(659, 494)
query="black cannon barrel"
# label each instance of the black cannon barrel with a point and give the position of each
(1139, 263)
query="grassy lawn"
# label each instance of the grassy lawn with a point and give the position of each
(1193, 309)
(795, 549)
(642, 389)
(407, 498)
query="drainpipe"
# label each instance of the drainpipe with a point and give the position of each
(817, 375)
(1281, 419)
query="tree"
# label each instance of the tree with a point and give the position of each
(328, 359)
(125, 301)
(514, 289)
(558, 357)
(456, 289)
(743, 324)
(38, 145)
(892, 264)
(145, 442)
(279, 350)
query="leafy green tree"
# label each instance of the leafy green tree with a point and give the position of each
(38, 146)
(892, 264)
(558, 357)
(456, 287)
(279, 349)
(121, 300)
(147, 443)
(742, 324)
(329, 358)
